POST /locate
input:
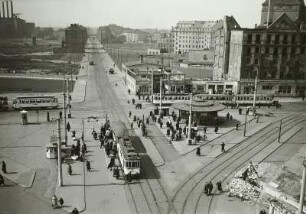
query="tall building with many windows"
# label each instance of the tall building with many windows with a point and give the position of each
(275, 53)
(192, 35)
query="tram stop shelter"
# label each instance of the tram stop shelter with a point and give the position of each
(203, 112)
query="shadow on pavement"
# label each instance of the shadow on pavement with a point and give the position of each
(147, 168)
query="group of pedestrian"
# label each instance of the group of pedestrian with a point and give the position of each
(208, 188)
(229, 116)
(57, 203)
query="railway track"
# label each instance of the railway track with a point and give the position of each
(188, 196)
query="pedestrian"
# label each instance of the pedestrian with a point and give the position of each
(240, 111)
(210, 188)
(130, 113)
(161, 124)
(61, 201)
(237, 126)
(206, 188)
(4, 167)
(222, 147)
(75, 211)
(69, 169)
(247, 111)
(73, 133)
(68, 127)
(88, 167)
(54, 201)
(129, 91)
(228, 115)
(61, 114)
(1, 180)
(231, 117)
(219, 186)
(216, 129)
(262, 212)
(205, 129)
(48, 117)
(132, 125)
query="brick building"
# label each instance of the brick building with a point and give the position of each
(76, 38)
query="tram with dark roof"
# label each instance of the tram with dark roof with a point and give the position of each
(127, 155)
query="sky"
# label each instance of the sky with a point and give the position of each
(160, 14)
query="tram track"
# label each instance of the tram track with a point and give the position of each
(147, 195)
(187, 197)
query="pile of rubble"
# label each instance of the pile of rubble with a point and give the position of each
(242, 189)
(245, 185)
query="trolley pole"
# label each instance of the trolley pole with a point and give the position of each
(245, 122)
(280, 131)
(65, 113)
(83, 135)
(302, 194)
(189, 124)
(59, 153)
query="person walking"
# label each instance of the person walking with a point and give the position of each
(69, 169)
(4, 167)
(68, 127)
(48, 117)
(210, 188)
(88, 165)
(61, 114)
(1, 180)
(222, 147)
(237, 126)
(219, 186)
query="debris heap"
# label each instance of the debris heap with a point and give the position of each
(246, 185)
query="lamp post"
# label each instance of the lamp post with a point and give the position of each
(65, 112)
(279, 131)
(245, 122)
(190, 117)
(160, 95)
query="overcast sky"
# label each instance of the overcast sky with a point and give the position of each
(135, 13)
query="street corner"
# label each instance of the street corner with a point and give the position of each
(19, 173)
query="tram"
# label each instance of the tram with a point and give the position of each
(35, 102)
(218, 98)
(248, 99)
(128, 157)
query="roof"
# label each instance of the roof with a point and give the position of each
(34, 97)
(197, 73)
(284, 2)
(199, 105)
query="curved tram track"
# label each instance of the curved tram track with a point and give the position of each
(189, 196)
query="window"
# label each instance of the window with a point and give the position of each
(249, 41)
(276, 39)
(293, 39)
(257, 50)
(284, 89)
(257, 39)
(267, 87)
(269, 39)
(284, 52)
(285, 40)
(275, 52)
(267, 51)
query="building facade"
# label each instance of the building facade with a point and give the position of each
(192, 35)
(275, 54)
(165, 43)
(76, 38)
(131, 37)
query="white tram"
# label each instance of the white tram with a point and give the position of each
(261, 99)
(128, 157)
(35, 102)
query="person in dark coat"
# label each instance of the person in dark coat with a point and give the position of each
(68, 127)
(222, 147)
(237, 126)
(216, 129)
(206, 188)
(48, 116)
(75, 211)
(61, 114)
(219, 186)
(1, 180)
(88, 167)
(210, 188)
(4, 167)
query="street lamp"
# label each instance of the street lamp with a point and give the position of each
(245, 123)
(255, 92)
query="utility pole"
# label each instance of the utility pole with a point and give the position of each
(160, 95)
(255, 92)
(68, 93)
(65, 112)
(280, 130)
(59, 153)
(302, 194)
(83, 135)
(245, 122)
(190, 117)
(152, 85)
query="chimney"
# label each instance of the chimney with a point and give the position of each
(12, 9)
(3, 10)
(7, 10)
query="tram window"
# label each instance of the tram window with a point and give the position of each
(38, 101)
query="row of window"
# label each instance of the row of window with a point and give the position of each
(276, 51)
(285, 89)
(191, 37)
(274, 39)
(132, 164)
(37, 101)
(193, 29)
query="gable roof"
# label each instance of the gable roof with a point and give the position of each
(283, 23)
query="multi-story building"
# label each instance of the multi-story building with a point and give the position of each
(76, 38)
(192, 35)
(275, 53)
(165, 43)
(131, 37)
